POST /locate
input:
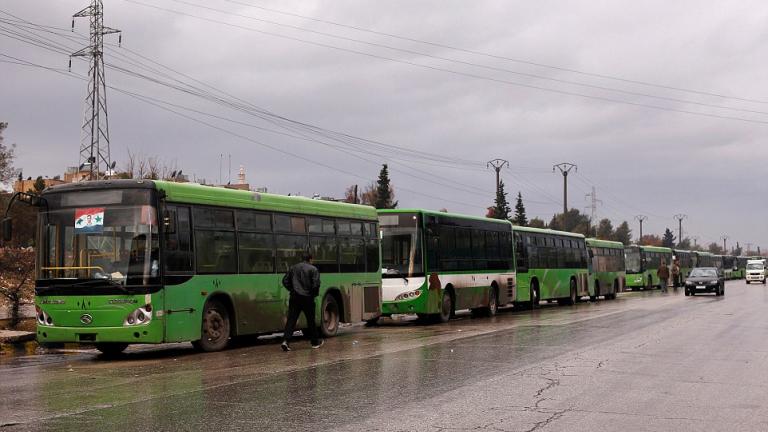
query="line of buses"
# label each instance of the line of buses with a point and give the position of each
(143, 261)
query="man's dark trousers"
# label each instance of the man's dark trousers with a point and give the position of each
(296, 305)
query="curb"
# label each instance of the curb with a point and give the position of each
(13, 337)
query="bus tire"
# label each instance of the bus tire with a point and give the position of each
(571, 299)
(493, 304)
(615, 290)
(535, 294)
(329, 316)
(373, 322)
(446, 307)
(649, 286)
(215, 332)
(111, 349)
(597, 292)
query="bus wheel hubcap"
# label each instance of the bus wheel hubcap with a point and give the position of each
(214, 325)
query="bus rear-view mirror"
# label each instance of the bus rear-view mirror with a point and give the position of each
(7, 228)
(169, 221)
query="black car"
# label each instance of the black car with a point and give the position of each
(705, 279)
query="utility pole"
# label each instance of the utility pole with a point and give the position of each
(356, 201)
(724, 238)
(641, 219)
(593, 206)
(497, 165)
(695, 241)
(94, 143)
(749, 249)
(565, 168)
(680, 218)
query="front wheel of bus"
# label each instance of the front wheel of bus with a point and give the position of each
(113, 349)
(493, 305)
(329, 313)
(446, 307)
(216, 328)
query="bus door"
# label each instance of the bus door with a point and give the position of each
(181, 310)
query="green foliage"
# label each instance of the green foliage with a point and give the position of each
(520, 217)
(684, 244)
(669, 239)
(385, 195)
(623, 234)
(501, 208)
(605, 230)
(572, 221)
(537, 223)
(715, 248)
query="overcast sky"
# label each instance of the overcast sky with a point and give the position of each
(702, 57)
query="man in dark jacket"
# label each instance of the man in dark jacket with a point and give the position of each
(303, 282)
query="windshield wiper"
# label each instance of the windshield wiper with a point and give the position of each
(109, 282)
(397, 272)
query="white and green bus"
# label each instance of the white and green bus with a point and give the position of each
(642, 262)
(436, 263)
(606, 268)
(551, 265)
(142, 261)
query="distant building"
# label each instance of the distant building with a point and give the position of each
(29, 184)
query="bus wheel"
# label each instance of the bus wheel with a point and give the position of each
(615, 290)
(215, 331)
(493, 305)
(571, 299)
(330, 316)
(597, 292)
(446, 308)
(112, 349)
(535, 295)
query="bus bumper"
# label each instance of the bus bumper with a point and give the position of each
(149, 333)
(417, 305)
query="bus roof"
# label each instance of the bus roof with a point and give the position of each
(605, 243)
(440, 213)
(218, 196)
(546, 231)
(193, 193)
(653, 248)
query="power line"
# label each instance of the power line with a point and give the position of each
(499, 57)
(455, 72)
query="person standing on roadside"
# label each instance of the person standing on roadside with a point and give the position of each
(663, 274)
(676, 282)
(303, 282)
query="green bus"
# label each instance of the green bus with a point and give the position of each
(642, 262)
(435, 263)
(685, 259)
(741, 265)
(142, 261)
(606, 268)
(551, 265)
(704, 259)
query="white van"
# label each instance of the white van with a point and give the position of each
(756, 271)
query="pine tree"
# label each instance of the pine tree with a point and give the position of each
(385, 195)
(623, 233)
(605, 230)
(501, 208)
(520, 218)
(669, 239)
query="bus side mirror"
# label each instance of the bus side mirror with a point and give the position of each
(169, 221)
(7, 227)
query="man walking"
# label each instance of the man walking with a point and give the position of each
(303, 282)
(663, 274)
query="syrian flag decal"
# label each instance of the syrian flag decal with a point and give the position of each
(89, 220)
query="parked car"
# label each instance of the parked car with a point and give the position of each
(705, 279)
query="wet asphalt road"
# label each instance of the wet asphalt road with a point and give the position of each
(644, 362)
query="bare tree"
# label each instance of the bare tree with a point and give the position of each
(7, 171)
(140, 166)
(17, 266)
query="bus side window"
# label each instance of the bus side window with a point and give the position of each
(178, 246)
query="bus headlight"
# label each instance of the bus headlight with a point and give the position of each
(142, 315)
(409, 295)
(42, 317)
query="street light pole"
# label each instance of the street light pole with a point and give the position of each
(724, 238)
(565, 168)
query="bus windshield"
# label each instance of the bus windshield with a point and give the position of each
(114, 243)
(400, 246)
(633, 261)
